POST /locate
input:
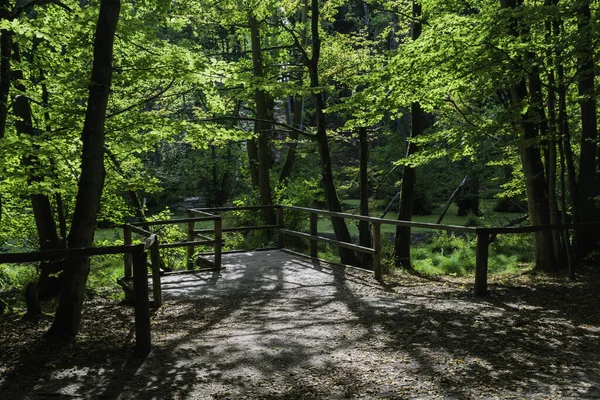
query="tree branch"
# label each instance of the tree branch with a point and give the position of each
(157, 95)
(291, 128)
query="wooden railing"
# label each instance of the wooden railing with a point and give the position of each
(136, 262)
(139, 273)
(482, 247)
(376, 223)
(482, 234)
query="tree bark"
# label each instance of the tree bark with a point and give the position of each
(364, 231)
(264, 113)
(533, 166)
(589, 177)
(297, 120)
(561, 246)
(409, 176)
(68, 314)
(333, 203)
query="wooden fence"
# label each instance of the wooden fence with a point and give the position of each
(483, 235)
(136, 258)
(139, 273)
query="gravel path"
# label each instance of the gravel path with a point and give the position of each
(276, 326)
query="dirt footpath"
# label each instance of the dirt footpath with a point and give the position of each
(277, 326)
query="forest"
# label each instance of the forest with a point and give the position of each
(470, 113)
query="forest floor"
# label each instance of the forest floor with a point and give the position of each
(272, 326)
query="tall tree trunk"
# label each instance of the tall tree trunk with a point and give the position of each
(589, 177)
(560, 245)
(297, 120)
(333, 203)
(68, 314)
(364, 230)
(409, 176)
(264, 113)
(533, 166)
(537, 99)
(564, 134)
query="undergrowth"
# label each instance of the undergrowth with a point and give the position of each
(454, 255)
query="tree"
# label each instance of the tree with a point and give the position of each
(331, 198)
(409, 176)
(68, 314)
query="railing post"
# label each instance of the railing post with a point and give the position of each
(481, 263)
(218, 240)
(190, 238)
(143, 342)
(377, 248)
(128, 273)
(156, 288)
(280, 225)
(313, 231)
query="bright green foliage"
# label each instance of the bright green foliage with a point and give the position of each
(445, 254)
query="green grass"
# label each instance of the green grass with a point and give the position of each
(455, 255)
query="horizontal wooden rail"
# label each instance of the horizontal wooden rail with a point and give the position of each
(174, 221)
(50, 255)
(327, 240)
(225, 209)
(454, 228)
(535, 228)
(238, 229)
(143, 342)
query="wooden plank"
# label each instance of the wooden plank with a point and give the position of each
(212, 253)
(173, 221)
(191, 225)
(239, 229)
(481, 264)
(314, 217)
(224, 209)
(453, 228)
(218, 242)
(281, 225)
(184, 272)
(331, 241)
(143, 341)
(377, 248)
(127, 261)
(535, 228)
(59, 254)
(156, 284)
